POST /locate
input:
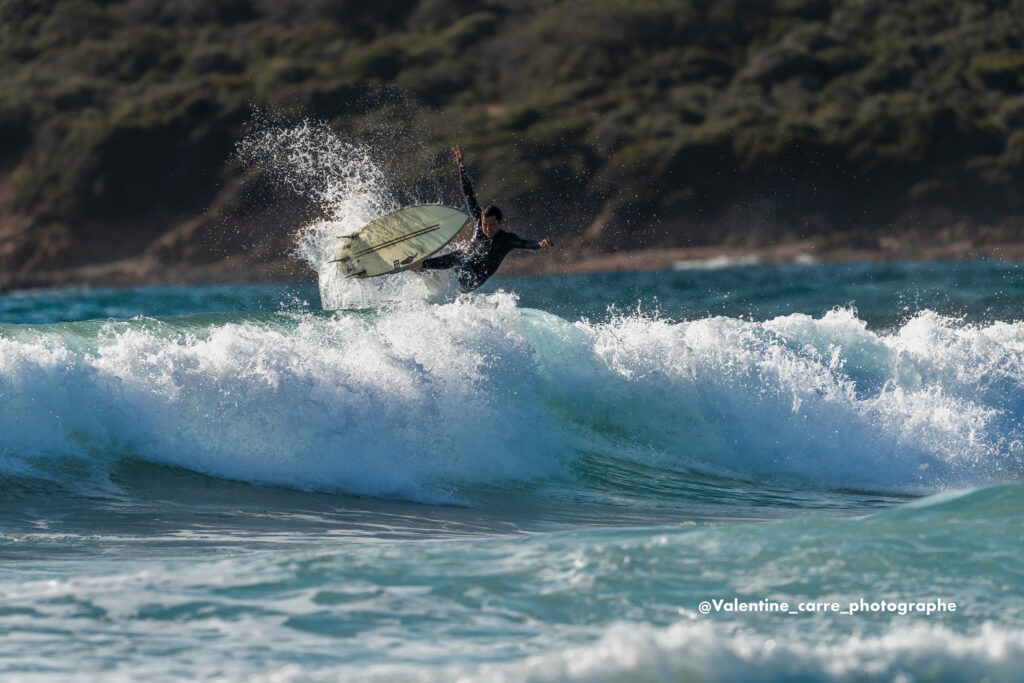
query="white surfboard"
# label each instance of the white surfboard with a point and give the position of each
(398, 240)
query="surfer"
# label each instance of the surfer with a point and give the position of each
(490, 243)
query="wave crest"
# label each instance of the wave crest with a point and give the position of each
(424, 401)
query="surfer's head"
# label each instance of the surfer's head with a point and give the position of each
(491, 221)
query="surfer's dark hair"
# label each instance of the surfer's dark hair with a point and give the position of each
(492, 210)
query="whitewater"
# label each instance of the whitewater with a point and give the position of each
(425, 402)
(545, 480)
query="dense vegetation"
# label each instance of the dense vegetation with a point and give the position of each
(629, 122)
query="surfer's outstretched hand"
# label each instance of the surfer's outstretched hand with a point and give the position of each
(457, 151)
(546, 243)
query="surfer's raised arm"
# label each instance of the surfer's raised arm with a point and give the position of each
(467, 186)
(490, 243)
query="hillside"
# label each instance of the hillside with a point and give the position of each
(614, 124)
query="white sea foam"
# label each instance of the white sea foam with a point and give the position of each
(420, 400)
(412, 404)
(705, 652)
(685, 651)
(795, 399)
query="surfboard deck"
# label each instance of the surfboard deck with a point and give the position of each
(399, 240)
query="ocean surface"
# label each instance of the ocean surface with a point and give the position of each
(617, 477)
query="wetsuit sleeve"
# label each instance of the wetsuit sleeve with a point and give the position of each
(517, 242)
(467, 191)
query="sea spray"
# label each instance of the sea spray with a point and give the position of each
(345, 182)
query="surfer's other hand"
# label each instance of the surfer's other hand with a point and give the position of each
(546, 243)
(457, 151)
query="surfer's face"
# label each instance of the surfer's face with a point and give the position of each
(491, 226)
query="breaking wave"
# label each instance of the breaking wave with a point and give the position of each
(425, 401)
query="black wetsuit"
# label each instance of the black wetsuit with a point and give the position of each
(482, 256)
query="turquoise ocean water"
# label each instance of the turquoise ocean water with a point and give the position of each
(542, 481)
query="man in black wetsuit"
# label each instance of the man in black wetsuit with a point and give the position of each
(489, 245)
